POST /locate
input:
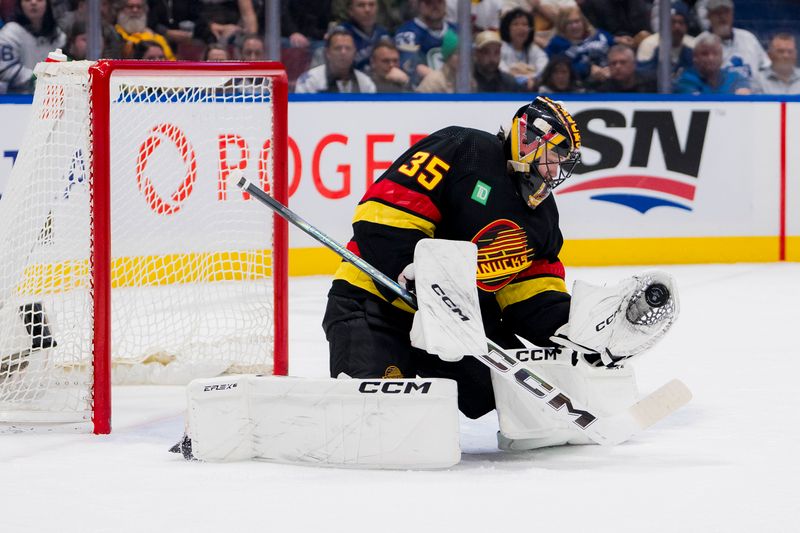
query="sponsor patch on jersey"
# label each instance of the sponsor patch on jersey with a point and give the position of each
(481, 192)
(503, 253)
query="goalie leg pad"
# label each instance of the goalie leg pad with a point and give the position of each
(366, 423)
(526, 425)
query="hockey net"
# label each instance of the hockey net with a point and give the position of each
(127, 249)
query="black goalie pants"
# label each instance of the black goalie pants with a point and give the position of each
(370, 339)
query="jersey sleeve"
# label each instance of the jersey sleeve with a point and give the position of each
(536, 303)
(407, 42)
(13, 72)
(404, 206)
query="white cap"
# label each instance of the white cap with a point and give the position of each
(56, 56)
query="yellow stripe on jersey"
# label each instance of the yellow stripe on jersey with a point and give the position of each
(357, 278)
(385, 215)
(517, 292)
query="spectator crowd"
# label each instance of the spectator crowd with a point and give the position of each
(368, 46)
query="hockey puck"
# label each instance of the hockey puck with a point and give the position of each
(656, 295)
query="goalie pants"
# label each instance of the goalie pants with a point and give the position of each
(370, 339)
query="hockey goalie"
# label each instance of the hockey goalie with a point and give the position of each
(466, 221)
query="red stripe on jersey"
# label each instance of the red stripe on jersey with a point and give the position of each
(353, 247)
(542, 267)
(403, 198)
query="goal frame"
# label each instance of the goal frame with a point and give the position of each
(100, 74)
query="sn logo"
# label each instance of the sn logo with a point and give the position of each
(647, 124)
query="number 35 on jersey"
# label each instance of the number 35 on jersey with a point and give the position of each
(426, 168)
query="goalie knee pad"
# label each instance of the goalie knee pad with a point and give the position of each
(526, 425)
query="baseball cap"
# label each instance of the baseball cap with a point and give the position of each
(711, 5)
(487, 37)
(679, 8)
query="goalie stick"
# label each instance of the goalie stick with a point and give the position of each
(605, 430)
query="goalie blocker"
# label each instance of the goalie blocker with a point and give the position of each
(366, 423)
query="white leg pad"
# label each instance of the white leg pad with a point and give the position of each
(408, 423)
(526, 424)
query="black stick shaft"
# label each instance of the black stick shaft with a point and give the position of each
(316, 234)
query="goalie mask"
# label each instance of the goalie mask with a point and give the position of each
(544, 144)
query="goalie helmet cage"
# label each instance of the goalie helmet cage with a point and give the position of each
(127, 248)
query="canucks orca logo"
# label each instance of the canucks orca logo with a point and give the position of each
(503, 252)
(642, 190)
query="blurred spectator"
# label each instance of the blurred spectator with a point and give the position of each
(693, 26)
(783, 76)
(420, 40)
(520, 56)
(385, 68)
(337, 74)
(25, 41)
(627, 20)
(485, 14)
(707, 76)
(216, 52)
(559, 76)
(112, 41)
(362, 25)
(77, 42)
(305, 22)
(623, 77)
(444, 79)
(545, 15)
(252, 48)
(740, 48)
(222, 21)
(177, 20)
(681, 52)
(391, 13)
(148, 50)
(701, 14)
(132, 27)
(585, 45)
(486, 57)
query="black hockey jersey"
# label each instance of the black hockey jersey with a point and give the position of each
(454, 185)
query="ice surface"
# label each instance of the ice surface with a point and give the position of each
(727, 462)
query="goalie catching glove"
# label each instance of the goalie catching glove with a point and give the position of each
(608, 325)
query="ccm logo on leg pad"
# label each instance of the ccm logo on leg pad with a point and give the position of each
(394, 387)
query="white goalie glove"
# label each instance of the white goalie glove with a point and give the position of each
(608, 325)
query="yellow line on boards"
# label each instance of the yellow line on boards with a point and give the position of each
(610, 252)
(171, 269)
(152, 270)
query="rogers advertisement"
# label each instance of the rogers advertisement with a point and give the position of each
(661, 182)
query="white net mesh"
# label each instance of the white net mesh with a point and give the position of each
(191, 267)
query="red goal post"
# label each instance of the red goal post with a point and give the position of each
(131, 241)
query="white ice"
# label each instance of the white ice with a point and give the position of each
(727, 462)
